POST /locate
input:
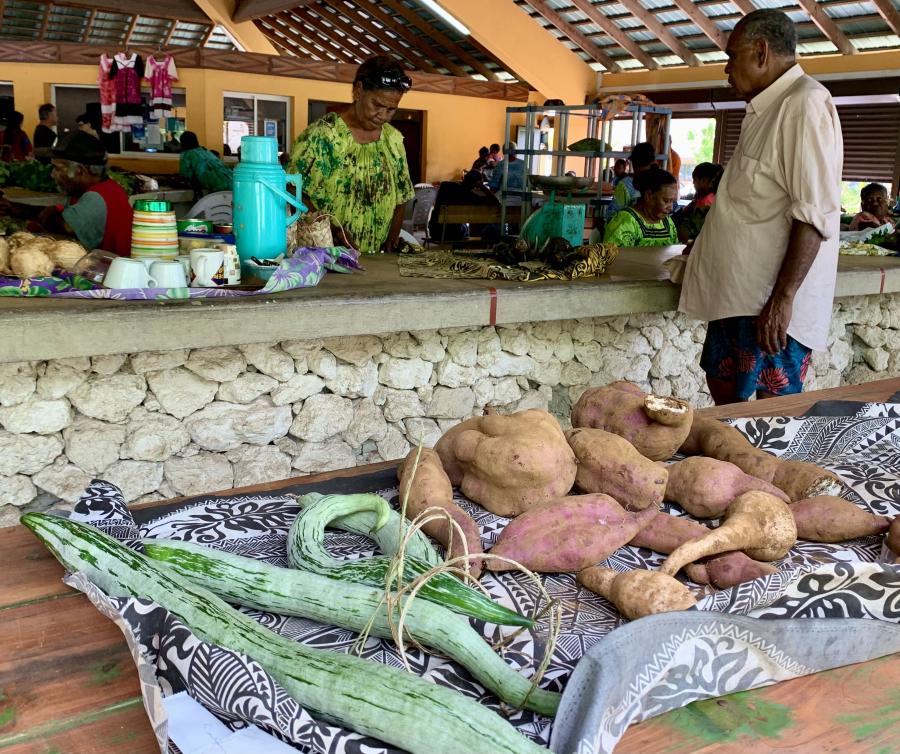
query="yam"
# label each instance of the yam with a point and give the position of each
(509, 463)
(429, 487)
(4, 255)
(610, 464)
(30, 262)
(704, 487)
(568, 534)
(826, 518)
(655, 425)
(65, 254)
(637, 593)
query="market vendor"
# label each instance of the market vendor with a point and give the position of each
(648, 221)
(642, 157)
(205, 170)
(96, 211)
(353, 163)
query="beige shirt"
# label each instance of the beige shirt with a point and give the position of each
(786, 166)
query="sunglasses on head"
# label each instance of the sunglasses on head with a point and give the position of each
(398, 81)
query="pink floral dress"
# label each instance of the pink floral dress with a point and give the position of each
(161, 74)
(107, 88)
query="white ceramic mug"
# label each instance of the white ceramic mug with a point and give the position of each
(207, 268)
(128, 273)
(168, 274)
(185, 261)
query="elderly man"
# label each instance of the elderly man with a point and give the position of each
(762, 271)
(97, 211)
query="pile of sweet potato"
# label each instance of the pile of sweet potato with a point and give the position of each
(576, 497)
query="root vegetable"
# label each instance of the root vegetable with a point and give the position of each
(757, 523)
(65, 253)
(665, 533)
(509, 463)
(655, 425)
(798, 479)
(430, 487)
(832, 519)
(29, 261)
(610, 464)
(4, 255)
(568, 534)
(637, 593)
(704, 487)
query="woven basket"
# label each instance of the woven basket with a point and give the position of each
(311, 230)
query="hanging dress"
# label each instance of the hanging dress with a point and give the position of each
(128, 72)
(161, 74)
(107, 86)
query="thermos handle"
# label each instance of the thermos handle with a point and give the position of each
(297, 202)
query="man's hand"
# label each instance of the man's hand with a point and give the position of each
(772, 323)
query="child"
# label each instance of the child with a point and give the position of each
(875, 208)
(689, 221)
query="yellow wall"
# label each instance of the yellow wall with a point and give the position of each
(455, 127)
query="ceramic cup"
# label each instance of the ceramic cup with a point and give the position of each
(207, 268)
(168, 274)
(128, 273)
(185, 261)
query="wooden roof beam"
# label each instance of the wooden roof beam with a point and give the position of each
(287, 42)
(576, 36)
(827, 26)
(247, 10)
(442, 39)
(355, 47)
(744, 6)
(324, 40)
(653, 25)
(889, 13)
(620, 35)
(373, 11)
(704, 22)
(316, 49)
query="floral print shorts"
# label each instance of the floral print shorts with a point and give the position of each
(731, 353)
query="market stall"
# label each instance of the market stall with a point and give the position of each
(90, 698)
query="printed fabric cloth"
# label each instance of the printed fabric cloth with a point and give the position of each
(160, 74)
(360, 185)
(828, 605)
(629, 229)
(127, 72)
(303, 269)
(205, 170)
(107, 87)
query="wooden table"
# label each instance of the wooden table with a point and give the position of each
(68, 684)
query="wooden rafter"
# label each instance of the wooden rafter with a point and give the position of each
(184, 10)
(131, 26)
(374, 11)
(576, 36)
(330, 39)
(653, 25)
(827, 26)
(48, 9)
(89, 25)
(278, 36)
(442, 39)
(169, 34)
(888, 11)
(619, 35)
(333, 13)
(247, 10)
(744, 6)
(314, 49)
(704, 22)
(206, 35)
(321, 36)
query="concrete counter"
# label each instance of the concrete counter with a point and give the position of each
(377, 302)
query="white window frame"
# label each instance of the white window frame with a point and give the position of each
(255, 96)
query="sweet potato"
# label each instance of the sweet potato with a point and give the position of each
(665, 533)
(757, 523)
(637, 593)
(430, 487)
(704, 487)
(798, 479)
(610, 464)
(568, 534)
(654, 424)
(509, 463)
(825, 518)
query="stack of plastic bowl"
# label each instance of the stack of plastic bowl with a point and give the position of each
(154, 234)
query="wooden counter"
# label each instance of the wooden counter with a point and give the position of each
(68, 684)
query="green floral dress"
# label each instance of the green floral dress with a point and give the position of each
(207, 170)
(629, 229)
(360, 185)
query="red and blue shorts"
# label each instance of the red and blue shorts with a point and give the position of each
(731, 353)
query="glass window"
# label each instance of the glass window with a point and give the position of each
(693, 139)
(254, 115)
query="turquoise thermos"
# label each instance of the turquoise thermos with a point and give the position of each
(259, 214)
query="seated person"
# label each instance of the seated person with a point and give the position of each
(647, 222)
(206, 172)
(875, 206)
(482, 162)
(97, 211)
(620, 170)
(689, 221)
(515, 167)
(472, 191)
(642, 158)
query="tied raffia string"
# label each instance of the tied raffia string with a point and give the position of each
(398, 596)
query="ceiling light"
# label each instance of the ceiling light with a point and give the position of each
(445, 15)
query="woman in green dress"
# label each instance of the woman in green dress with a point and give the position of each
(206, 172)
(648, 221)
(353, 163)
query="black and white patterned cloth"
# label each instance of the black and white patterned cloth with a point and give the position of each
(734, 640)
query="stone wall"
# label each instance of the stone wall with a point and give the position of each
(182, 422)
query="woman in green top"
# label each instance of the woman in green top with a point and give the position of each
(353, 163)
(202, 167)
(648, 221)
